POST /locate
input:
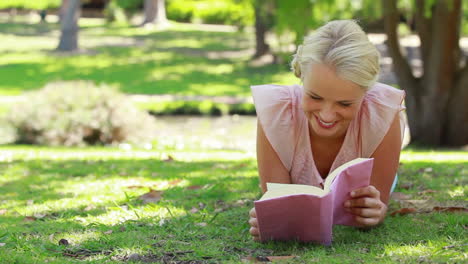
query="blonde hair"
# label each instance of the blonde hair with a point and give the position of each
(343, 45)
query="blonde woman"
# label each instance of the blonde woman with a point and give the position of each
(339, 113)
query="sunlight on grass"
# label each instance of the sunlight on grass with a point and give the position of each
(78, 237)
(117, 215)
(433, 249)
(458, 191)
(285, 78)
(435, 156)
(408, 250)
(89, 196)
(25, 153)
(136, 60)
(220, 69)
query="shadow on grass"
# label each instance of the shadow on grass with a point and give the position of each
(45, 181)
(175, 75)
(27, 29)
(432, 236)
(165, 62)
(49, 180)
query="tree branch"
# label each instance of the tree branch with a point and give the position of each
(400, 65)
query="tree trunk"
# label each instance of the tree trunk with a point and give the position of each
(261, 47)
(155, 12)
(69, 26)
(457, 112)
(63, 8)
(436, 102)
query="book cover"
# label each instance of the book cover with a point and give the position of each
(308, 213)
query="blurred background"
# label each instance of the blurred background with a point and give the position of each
(175, 74)
(127, 129)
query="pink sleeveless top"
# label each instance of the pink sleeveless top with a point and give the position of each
(286, 127)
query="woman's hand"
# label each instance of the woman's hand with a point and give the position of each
(254, 225)
(366, 205)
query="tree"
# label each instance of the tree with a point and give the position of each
(155, 12)
(437, 100)
(264, 21)
(298, 18)
(69, 26)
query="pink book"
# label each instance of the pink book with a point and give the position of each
(308, 213)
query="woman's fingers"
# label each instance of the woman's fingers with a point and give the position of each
(364, 202)
(370, 191)
(365, 212)
(367, 221)
(252, 213)
(254, 231)
(254, 225)
(253, 222)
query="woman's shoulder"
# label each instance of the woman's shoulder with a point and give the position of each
(278, 113)
(381, 105)
(386, 95)
(276, 91)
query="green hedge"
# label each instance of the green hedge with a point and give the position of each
(207, 108)
(229, 12)
(30, 4)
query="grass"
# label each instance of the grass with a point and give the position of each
(183, 59)
(89, 197)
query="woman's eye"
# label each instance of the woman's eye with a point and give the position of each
(315, 97)
(345, 104)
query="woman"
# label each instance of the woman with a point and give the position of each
(339, 113)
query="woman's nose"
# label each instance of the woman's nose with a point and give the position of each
(327, 114)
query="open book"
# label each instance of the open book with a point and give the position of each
(308, 213)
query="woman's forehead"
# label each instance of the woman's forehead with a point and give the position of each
(322, 80)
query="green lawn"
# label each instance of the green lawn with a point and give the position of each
(89, 197)
(183, 59)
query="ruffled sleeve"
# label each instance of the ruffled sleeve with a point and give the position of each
(380, 106)
(275, 106)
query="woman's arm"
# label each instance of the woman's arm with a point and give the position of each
(369, 204)
(270, 169)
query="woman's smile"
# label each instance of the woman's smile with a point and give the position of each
(323, 124)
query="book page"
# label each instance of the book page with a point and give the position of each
(279, 189)
(337, 171)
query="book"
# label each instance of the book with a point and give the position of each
(307, 213)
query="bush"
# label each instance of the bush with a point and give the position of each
(78, 113)
(120, 11)
(228, 12)
(28, 4)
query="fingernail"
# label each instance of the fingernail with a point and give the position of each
(353, 193)
(347, 204)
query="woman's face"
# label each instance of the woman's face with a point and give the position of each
(329, 102)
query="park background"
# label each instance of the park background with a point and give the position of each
(128, 130)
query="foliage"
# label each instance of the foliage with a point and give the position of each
(78, 113)
(230, 12)
(119, 10)
(306, 15)
(28, 4)
(89, 197)
(128, 4)
(206, 107)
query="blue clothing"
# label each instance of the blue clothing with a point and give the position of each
(394, 184)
